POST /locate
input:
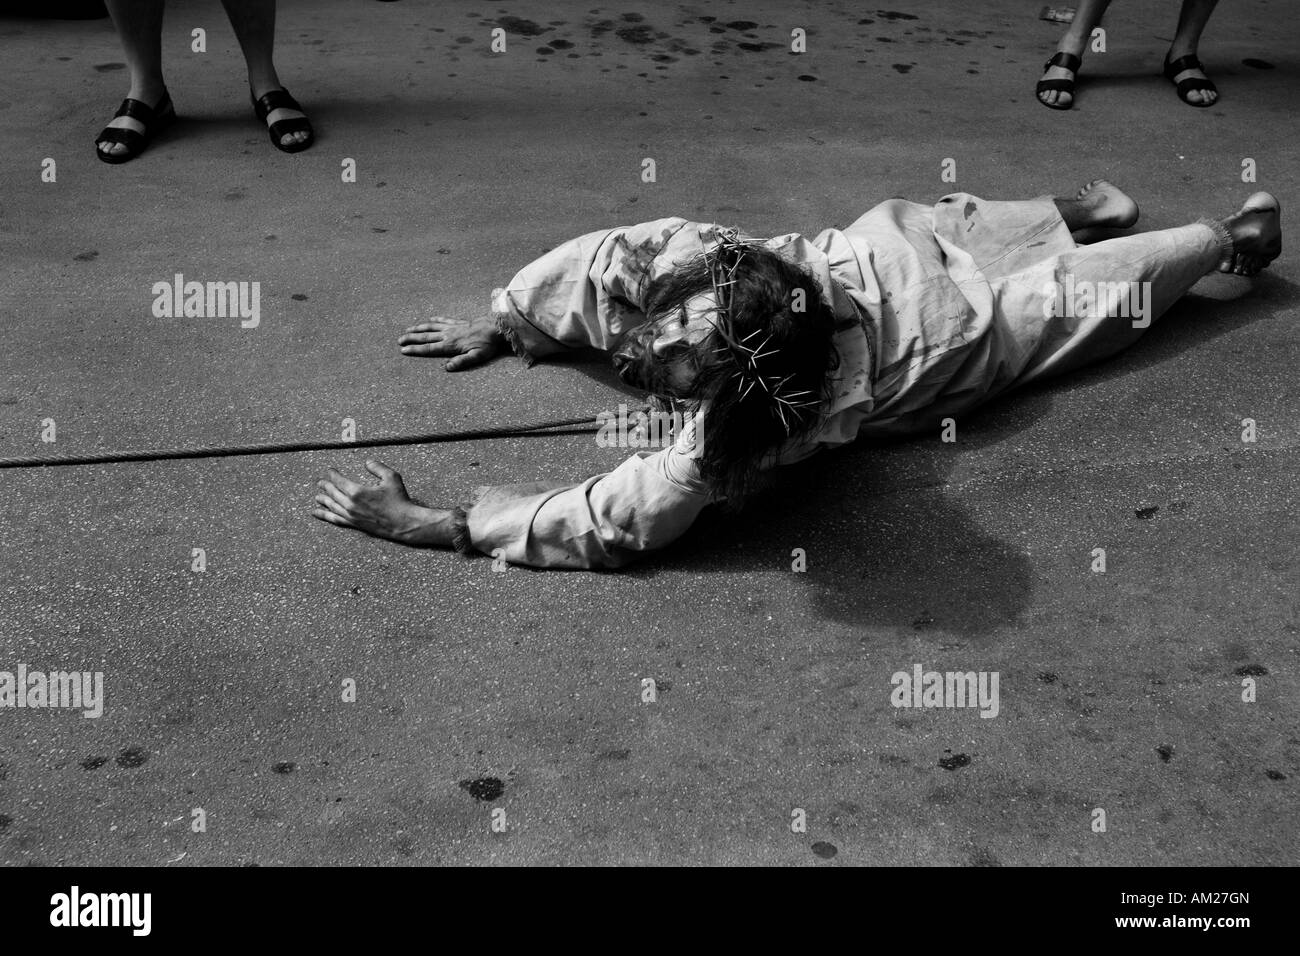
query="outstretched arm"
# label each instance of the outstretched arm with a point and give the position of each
(604, 522)
(582, 294)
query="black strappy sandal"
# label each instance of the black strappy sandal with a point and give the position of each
(281, 100)
(1189, 62)
(1067, 61)
(153, 118)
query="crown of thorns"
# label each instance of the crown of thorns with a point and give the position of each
(791, 406)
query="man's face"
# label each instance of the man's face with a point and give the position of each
(685, 328)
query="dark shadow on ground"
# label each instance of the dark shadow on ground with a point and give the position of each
(893, 548)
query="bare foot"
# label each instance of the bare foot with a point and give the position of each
(1256, 231)
(1106, 205)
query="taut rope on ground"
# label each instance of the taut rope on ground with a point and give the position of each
(571, 426)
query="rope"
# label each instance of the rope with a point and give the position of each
(231, 451)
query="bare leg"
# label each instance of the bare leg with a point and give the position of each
(139, 27)
(1255, 229)
(1193, 17)
(1143, 275)
(254, 25)
(1074, 41)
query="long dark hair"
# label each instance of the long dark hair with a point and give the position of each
(772, 302)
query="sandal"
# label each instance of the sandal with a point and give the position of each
(1066, 61)
(281, 100)
(1189, 62)
(153, 118)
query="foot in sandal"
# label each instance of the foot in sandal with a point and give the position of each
(133, 127)
(286, 123)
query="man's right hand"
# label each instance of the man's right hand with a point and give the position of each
(470, 342)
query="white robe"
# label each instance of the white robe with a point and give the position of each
(940, 308)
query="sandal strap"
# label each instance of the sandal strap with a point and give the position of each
(133, 141)
(1045, 85)
(275, 100)
(1189, 62)
(1194, 83)
(299, 124)
(141, 111)
(1066, 60)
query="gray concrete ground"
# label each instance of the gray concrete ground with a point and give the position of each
(774, 685)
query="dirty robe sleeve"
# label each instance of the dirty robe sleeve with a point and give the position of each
(586, 292)
(606, 521)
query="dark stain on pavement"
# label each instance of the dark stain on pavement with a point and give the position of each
(93, 763)
(5, 822)
(1250, 61)
(953, 761)
(1166, 752)
(90, 256)
(132, 757)
(902, 67)
(484, 789)
(824, 850)
(109, 67)
(521, 26)
(1047, 677)
(1146, 514)
(285, 766)
(895, 15)
(638, 34)
(1275, 774)
(620, 754)
(1251, 670)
